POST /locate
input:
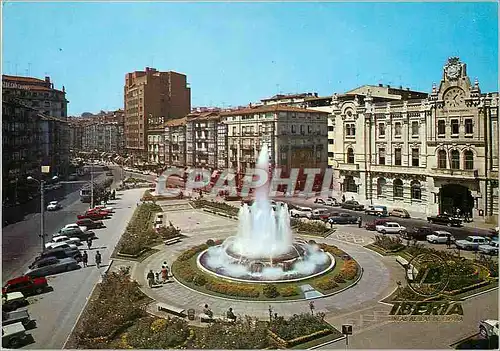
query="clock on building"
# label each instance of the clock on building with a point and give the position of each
(454, 97)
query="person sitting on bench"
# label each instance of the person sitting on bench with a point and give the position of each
(230, 315)
(208, 312)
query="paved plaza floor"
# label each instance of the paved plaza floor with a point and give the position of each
(379, 273)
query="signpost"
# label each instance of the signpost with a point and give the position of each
(347, 330)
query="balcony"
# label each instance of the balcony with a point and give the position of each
(455, 173)
(348, 166)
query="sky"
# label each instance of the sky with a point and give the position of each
(237, 53)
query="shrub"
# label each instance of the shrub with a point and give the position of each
(210, 242)
(389, 243)
(326, 283)
(312, 227)
(339, 278)
(349, 270)
(200, 280)
(232, 289)
(151, 333)
(297, 325)
(289, 291)
(169, 232)
(334, 250)
(186, 255)
(185, 272)
(270, 290)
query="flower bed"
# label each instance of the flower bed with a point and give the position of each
(388, 243)
(140, 233)
(149, 197)
(312, 228)
(298, 329)
(231, 289)
(216, 206)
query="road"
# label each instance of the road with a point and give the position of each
(458, 233)
(424, 335)
(21, 241)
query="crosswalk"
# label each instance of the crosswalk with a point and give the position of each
(363, 319)
(350, 238)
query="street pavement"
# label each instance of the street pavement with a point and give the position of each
(421, 335)
(56, 312)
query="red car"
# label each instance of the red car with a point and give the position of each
(89, 223)
(26, 285)
(91, 215)
(98, 211)
(372, 225)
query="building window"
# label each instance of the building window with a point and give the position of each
(234, 130)
(381, 130)
(380, 187)
(469, 127)
(330, 128)
(454, 127)
(350, 155)
(330, 141)
(414, 128)
(469, 159)
(441, 159)
(293, 128)
(415, 157)
(381, 156)
(398, 188)
(441, 128)
(416, 190)
(350, 130)
(397, 129)
(397, 157)
(350, 185)
(455, 159)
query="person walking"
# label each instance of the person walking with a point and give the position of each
(98, 259)
(448, 241)
(89, 243)
(343, 198)
(164, 274)
(208, 312)
(230, 315)
(151, 278)
(360, 222)
(85, 259)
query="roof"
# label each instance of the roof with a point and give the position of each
(269, 108)
(22, 79)
(203, 116)
(176, 122)
(290, 96)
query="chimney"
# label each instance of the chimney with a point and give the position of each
(388, 86)
(380, 85)
(407, 89)
(400, 87)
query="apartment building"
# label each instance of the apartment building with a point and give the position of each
(175, 142)
(156, 141)
(201, 139)
(427, 153)
(296, 137)
(152, 93)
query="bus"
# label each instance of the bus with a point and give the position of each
(86, 194)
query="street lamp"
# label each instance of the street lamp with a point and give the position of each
(42, 207)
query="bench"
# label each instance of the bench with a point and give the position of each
(206, 319)
(178, 311)
(402, 261)
(172, 241)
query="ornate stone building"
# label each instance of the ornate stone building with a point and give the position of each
(427, 154)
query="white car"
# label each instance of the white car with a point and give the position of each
(299, 212)
(488, 328)
(62, 239)
(63, 245)
(440, 237)
(471, 242)
(53, 206)
(73, 226)
(391, 228)
(491, 248)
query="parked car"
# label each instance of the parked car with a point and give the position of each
(105, 208)
(77, 233)
(390, 228)
(92, 215)
(62, 245)
(342, 218)
(488, 328)
(301, 212)
(440, 237)
(352, 205)
(53, 266)
(491, 248)
(26, 285)
(73, 226)
(320, 213)
(19, 316)
(98, 211)
(327, 202)
(418, 233)
(60, 253)
(373, 225)
(62, 239)
(445, 219)
(90, 224)
(380, 211)
(399, 212)
(14, 335)
(53, 206)
(471, 242)
(12, 301)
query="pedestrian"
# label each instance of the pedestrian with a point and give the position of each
(343, 198)
(151, 278)
(360, 222)
(98, 259)
(208, 312)
(157, 277)
(89, 243)
(230, 315)
(85, 259)
(164, 274)
(448, 241)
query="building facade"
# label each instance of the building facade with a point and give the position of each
(428, 154)
(152, 93)
(296, 137)
(156, 141)
(175, 142)
(201, 139)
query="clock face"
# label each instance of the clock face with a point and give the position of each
(453, 71)
(454, 97)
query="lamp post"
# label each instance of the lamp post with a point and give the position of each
(42, 207)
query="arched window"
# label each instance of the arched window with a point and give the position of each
(441, 159)
(350, 155)
(455, 159)
(350, 185)
(416, 190)
(469, 159)
(398, 188)
(380, 187)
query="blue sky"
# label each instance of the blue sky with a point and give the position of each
(236, 53)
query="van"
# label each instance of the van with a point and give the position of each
(319, 213)
(300, 211)
(376, 210)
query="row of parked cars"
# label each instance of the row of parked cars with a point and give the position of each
(61, 254)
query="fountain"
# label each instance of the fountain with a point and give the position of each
(263, 249)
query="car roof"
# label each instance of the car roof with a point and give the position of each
(392, 223)
(18, 280)
(442, 232)
(475, 237)
(53, 202)
(60, 236)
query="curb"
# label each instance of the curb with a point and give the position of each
(479, 293)
(327, 343)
